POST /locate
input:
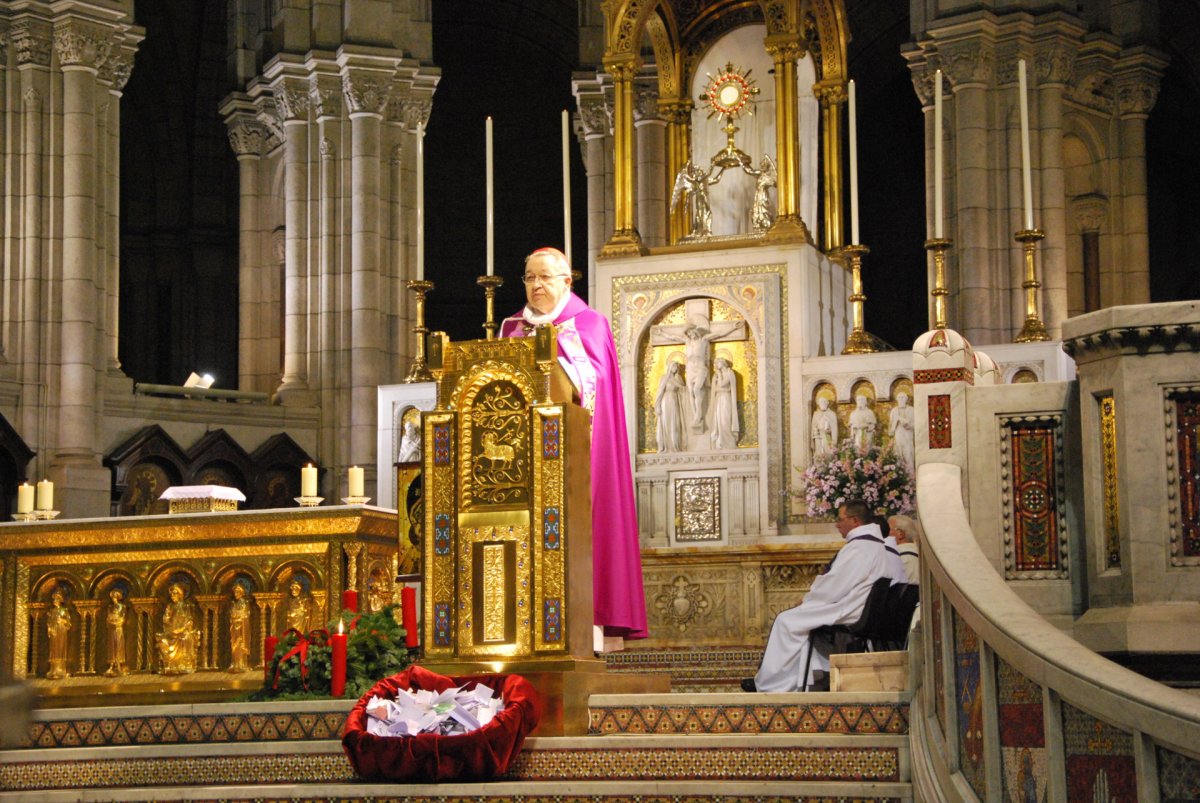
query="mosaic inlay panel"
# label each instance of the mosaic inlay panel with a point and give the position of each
(1099, 758)
(1112, 508)
(1178, 777)
(939, 668)
(1187, 438)
(1033, 520)
(190, 729)
(691, 719)
(1022, 735)
(939, 422)
(969, 698)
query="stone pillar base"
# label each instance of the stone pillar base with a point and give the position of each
(82, 487)
(1149, 627)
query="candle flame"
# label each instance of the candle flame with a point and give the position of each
(340, 627)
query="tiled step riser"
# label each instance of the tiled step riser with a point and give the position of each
(749, 717)
(325, 763)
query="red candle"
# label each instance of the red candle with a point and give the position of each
(337, 671)
(269, 646)
(350, 600)
(408, 609)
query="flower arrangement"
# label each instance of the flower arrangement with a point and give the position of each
(876, 476)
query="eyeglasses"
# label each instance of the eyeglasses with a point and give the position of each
(532, 279)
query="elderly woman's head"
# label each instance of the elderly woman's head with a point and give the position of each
(547, 279)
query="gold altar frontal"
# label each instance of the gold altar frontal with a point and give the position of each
(507, 552)
(88, 602)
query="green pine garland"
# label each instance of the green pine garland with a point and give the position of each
(374, 650)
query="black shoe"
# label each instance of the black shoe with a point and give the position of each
(748, 685)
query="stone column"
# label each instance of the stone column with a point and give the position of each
(625, 241)
(594, 122)
(969, 69)
(291, 99)
(80, 47)
(246, 137)
(115, 73)
(366, 93)
(652, 186)
(788, 227)
(330, 366)
(1090, 213)
(1054, 68)
(1137, 92)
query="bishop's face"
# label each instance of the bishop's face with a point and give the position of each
(544, 288)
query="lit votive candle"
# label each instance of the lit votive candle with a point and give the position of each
(45, 495)
(355, 476)
(24, 498)
(308, 480)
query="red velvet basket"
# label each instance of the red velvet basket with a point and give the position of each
(478, 755)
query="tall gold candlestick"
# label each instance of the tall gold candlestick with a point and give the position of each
(859, 341)
(939, 246)
(418, 372)
(1034, 330)
(489, 284)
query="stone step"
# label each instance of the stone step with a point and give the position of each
(881, 758)
(501, 792)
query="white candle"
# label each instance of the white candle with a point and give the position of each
(491, 237)
(308, 481)
(1026, 177)
(853, 166)
(420, 201)
(24, 498)
(354, 476)
(45, 495)
(938, 231)
(566, 173)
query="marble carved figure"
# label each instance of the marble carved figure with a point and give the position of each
(410, 444)
(669, 412)
(696, 336)
(824, 428)
(725, 426)
(862, 424)
(900, 427)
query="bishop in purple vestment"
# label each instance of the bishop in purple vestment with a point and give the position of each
(585, 347)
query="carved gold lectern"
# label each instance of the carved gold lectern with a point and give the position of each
(506, 558)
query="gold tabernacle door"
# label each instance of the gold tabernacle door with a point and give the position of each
(507, 553)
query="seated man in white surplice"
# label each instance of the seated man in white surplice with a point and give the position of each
(836, 597)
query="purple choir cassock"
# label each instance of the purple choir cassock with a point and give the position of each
(585, 346)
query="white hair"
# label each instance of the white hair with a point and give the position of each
(907, 525)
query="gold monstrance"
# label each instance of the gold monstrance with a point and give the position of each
(730, 94)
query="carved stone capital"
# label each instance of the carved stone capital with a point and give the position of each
(328, 149)
(1136, 95)
(923, 81)
(365, 92)
(33, 40)
(247, 137)
(645, 101)
(968, 63)
(1090, 211)
(117, 67)
(415, 111)
(82, 44)
(596, 116)
(1054, 63)
(830, 93)
(325, 94)
(291, 99)
(1096, 91)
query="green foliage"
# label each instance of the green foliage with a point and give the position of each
(374, 650)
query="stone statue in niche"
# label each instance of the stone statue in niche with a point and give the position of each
(671, 429)
(239, 630)
(114, 618)
(58, 626)
(900, 427)
(696, 336)
(725, 426)
(862, 423)
(410, 444)
(179, 639)
(824, 428)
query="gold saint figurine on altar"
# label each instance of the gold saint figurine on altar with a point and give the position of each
(299, 607)
(115, 619)
(58, 625)
(179, 639)
(239, 629)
